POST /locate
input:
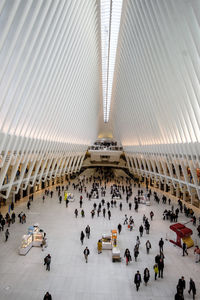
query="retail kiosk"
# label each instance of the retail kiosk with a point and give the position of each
(183, 234)
(34, 238)
(109, 242)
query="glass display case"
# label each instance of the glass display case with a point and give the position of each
(26, 244)
(37, 239)
(106, 242)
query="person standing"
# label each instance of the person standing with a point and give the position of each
(119, 228)
(44, 243)
(137, 280)
(146, 275)
(181, 285)
(197, 254)
(86, 252)
(141, 229)
(7, 233)
(3, 222)
(151, 215)
(160, 267)
(82, 237)
(155, 267)
(12, 206)
(178, 295)
(192, 288)
(148, 246)
(47, 262)
(28, 204)
(47, 296)
(13, 217)
(161, 244)
(184, 247)
(99, 246)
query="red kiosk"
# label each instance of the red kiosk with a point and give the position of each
(183, 233)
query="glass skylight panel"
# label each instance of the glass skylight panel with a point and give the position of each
(110, 23)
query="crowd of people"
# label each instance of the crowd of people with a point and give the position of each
(104, 183)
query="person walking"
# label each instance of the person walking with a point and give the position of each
(181, 285)
(99, 246)
(81, 203)
(104, 212)
(155, 267)
(127, 255)
(7, 233)
(120, 206)
(47, 262)
(146, 275)
(136, 252)
(137, 280)
(148, 246)
(109, 214)
(92, 213)
(87, 231)
(125, 220)
(60, 199)
(161, 244)
(192, 287)
(86, 252)
(119, 228)
(43, 198)
(184, 247)
(82, 237)
(47, 296)
(76, 212)
(138, 242)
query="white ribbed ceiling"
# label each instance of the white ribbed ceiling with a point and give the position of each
(49, 70)
(51, 80)
(156, 96)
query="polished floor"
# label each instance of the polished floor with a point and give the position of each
(25, 277)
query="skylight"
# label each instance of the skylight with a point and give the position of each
(110, 23)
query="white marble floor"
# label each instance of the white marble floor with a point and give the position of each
(25, 277)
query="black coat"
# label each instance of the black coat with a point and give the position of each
(137, 279)
(181, 284)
